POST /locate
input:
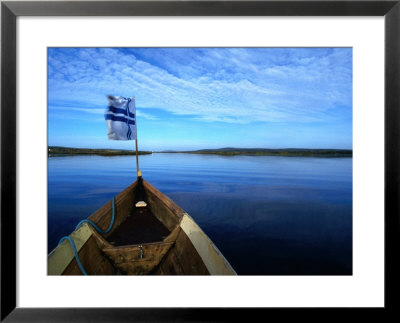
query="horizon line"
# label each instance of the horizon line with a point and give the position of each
(176, 150)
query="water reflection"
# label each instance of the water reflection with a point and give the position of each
(267, 215)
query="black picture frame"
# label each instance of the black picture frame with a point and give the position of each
(10, 10)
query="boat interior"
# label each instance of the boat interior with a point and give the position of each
(144, 240)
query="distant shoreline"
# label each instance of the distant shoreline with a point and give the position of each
(290, 152)
(54, 151)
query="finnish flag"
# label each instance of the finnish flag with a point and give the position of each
(121, 118)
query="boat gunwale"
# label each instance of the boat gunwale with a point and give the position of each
(103, 212)
(165, 200)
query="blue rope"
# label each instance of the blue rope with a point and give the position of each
(78, 261)
(75, 253)
(95, 226)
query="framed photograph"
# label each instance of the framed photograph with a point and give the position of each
(314, 85)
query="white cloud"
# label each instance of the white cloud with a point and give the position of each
(234, 85)
(98, 111)
(144, 115)
(86, 110)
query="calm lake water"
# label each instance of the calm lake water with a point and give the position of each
(267, 215)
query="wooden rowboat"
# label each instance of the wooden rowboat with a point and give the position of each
(156, 239)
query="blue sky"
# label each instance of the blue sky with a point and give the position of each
(193, 98)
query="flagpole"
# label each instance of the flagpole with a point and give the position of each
(140, 195)
(138, 172)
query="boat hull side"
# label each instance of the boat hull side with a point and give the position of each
(166, 210)
(213, 259)
(59, 259)
(124, 202)
(182, 259)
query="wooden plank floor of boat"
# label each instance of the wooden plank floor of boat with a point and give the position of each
(141, 226)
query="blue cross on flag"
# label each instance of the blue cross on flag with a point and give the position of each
(121, 118)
